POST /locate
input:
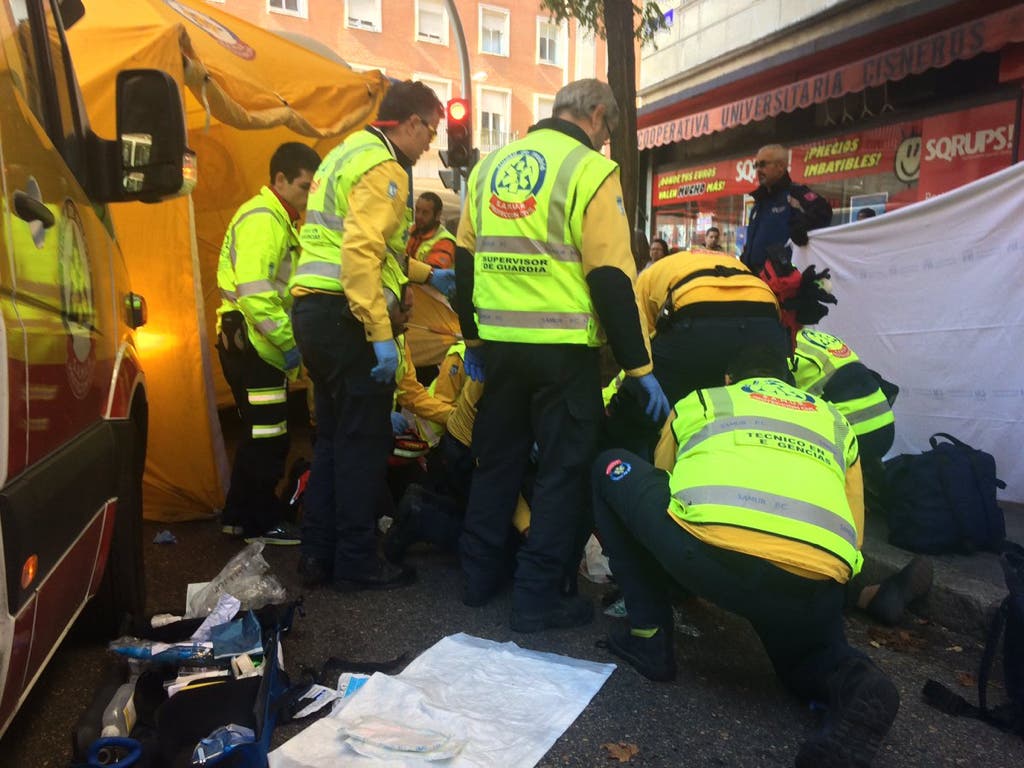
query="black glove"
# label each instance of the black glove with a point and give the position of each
(781, 258)
(798, 229)
(811, 276)
(809, 303)
(810, 312)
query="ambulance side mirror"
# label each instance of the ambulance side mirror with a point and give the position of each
(155, 161)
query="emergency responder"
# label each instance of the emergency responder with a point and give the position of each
(705, 307)
(255, 342)
(433, 511)
(410, 395)
(437, 326)
(825, 366)
(356, 222)
(429, 240)
(754, 503)
(542, 264)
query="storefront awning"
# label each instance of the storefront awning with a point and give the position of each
(989, 33)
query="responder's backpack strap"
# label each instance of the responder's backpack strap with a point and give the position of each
(1007, 625)
(668, 308)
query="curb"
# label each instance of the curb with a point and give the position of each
(966, 590)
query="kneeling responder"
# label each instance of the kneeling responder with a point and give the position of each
(755, 483)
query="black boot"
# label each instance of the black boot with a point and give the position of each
(563, 613)
(653, 657)
(404, 530)
(863, 703)
(899, 590)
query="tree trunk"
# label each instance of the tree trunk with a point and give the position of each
(618, 24)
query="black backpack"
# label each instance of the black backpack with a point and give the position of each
(1007, 625)
(943, 501)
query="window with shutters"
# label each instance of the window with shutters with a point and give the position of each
(431, 22)
(289, 7)
(495, 118)
(363, 14)
(543, 106)
(549, 42)
(494, 30)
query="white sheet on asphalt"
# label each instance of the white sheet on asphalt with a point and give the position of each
(463, 702)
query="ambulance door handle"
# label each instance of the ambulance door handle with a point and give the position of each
(30, 209)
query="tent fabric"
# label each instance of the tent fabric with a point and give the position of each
(930, 297)
(245, 90)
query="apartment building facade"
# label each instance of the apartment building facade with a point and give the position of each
(881, 103)
(518, 57)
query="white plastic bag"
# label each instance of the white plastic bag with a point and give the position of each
(245, 577)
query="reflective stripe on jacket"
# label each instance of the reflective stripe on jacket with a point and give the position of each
(431, 431)
(253, 271)
(817, 358)
(426, 246)
(765, 456)
(529, 284)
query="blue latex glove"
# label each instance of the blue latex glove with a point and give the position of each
(443, 280)
(473, 362)
(387, 361)
(399, 426)
(657, 404)
(292, 358)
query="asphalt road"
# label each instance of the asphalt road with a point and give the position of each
(725, 708)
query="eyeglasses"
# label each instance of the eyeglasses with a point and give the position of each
(429, 127)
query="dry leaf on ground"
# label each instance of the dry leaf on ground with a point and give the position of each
(966, 679)
(622, 751)
(896, 640)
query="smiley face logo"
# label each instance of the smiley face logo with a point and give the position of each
(907, 165)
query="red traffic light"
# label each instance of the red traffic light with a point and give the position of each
(458, 110)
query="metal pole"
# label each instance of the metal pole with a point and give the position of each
(460, 41)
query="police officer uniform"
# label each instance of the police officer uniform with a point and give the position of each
(254, 336)
(544, 273)
(774, 221)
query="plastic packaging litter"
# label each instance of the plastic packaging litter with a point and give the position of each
(171, 653)
(217, 745)
(246, 577)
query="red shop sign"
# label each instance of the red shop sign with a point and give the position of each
(702, 182)
(963, 146)
(856, 154)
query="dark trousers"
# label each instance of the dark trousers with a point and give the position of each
(693, 352)
(548, 394)
(799, 620)
(689, 353)
(252, 500)
(354, 440)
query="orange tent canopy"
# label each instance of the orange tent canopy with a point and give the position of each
(246, 90)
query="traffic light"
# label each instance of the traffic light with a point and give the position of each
(460, 134)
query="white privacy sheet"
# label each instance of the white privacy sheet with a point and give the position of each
(463, 702)
(932, 297)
